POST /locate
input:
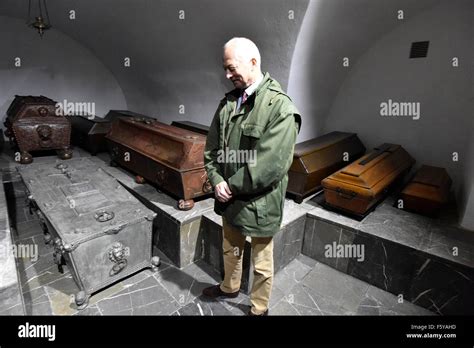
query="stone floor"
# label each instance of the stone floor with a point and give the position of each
(304, 287)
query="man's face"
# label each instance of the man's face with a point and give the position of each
(238, 71)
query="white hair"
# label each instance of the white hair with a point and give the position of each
(245, 49)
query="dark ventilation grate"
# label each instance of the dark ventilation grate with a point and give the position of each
(419, 49)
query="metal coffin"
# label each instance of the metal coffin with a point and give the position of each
(362, 184)
(33, 125)
(168, 156)
(192, 126)
(98, 229)
(427, 192)
(315, 159)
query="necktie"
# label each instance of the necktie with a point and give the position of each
(244, 97)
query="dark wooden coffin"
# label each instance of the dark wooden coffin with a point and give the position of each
(192, 126)
(315, 159)
(362, 184)
(2, 140)
(89, 133)
(96, 227)
(33, 125)
(427, 192)
(168, 156)
(113, 114)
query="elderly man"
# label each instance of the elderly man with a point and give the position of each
(248, 153)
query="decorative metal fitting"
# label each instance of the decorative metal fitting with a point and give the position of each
(103, 216)
(117, 254)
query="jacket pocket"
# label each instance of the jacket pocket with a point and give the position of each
(251, 134)
(252, 130)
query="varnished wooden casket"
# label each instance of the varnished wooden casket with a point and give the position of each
(358, 187)
(168, 156)
(192, 126)
(97, 228)
(315, 159)
(33, 125)
(427, 192)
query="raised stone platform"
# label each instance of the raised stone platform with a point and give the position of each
(287, 243)
(429, 262)
(175, 232)
(11, 299)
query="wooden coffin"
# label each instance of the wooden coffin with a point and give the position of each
(89, 132)
(428, 191)
(192, 126)
(168, 156)
(362, 184)
(315, 159)
(2, 140)
(33, 125)
(113, 114)
(96, 227)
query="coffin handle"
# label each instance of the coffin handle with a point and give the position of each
(161, 177)
(103, 216)
(118, 255)
(345, 195)
(207, 186)
(58, 253)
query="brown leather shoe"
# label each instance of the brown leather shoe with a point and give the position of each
(215, 291)
(264, 314)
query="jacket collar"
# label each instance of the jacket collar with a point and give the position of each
(235, 93)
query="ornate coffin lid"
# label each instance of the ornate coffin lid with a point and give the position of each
(20, 103)
(169, 145)
(375, 167)
(325, 151)
(80, 200)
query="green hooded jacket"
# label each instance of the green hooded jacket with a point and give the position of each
(265, 127)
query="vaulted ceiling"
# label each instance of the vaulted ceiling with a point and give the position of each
(177, 61)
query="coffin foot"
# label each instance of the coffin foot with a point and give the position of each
(47, 238)
(298, 200)
(65, 153)
(81, 299)
(25, 157)
(185, 204)
(155, 263)
(139, 179)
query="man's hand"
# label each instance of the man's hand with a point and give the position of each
(223, 192)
